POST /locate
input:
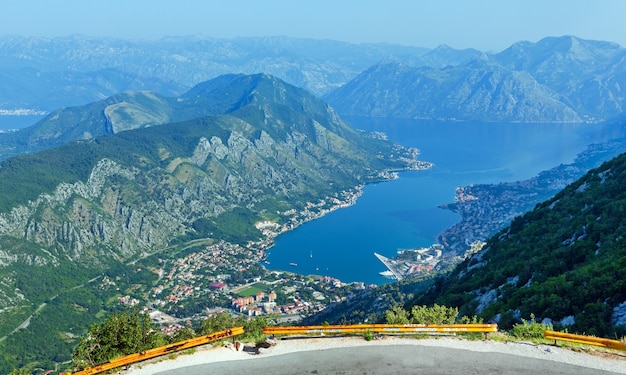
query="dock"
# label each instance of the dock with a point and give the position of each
(411, 262)
(391, 266)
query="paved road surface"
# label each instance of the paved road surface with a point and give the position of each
(385, 359)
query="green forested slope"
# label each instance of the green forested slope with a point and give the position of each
(564, 261)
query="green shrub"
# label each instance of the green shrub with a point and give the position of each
(471, 320)
(437, 314)
(253, 328)
(530, 329)
(184, 334)
(397, 315)
(368, 335)
(218, 322)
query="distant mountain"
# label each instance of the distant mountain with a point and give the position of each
(478, 90)
(558, 79)
(46, 90)
(244, 149)
(589, 75)
(109, 116)
(131, 110)
(564, 79)
(563, 262)
(48, 73)
(444, 55)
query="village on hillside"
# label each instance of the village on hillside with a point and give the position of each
(223, 277)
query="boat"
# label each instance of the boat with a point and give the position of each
(292, 264)
(388, 274)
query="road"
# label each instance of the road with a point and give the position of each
(26, 323)
(388, 359)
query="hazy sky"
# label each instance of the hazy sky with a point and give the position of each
(488, 25)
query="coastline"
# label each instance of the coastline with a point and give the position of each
(272, 230)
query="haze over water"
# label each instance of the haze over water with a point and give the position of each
(18, 122)
(404, 213)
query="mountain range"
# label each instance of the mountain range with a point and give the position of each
(160, 174)
(557, 79)
(47, 73)
(42, 90)
(124, 111)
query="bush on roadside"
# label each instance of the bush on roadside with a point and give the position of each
(397, 315)
(368, 335)
(530, 329)
(120, 334)
(436, 314)
(253, 328)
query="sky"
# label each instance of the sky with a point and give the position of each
(487, 25)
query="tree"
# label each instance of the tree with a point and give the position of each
(119, 335)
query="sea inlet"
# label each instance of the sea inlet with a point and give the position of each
(404, 213)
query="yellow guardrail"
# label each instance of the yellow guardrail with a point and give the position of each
(289, 330)
(380, 328)
(597, 341)
(152, 353)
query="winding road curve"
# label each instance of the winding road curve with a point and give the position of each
(396, 359)
(390, 355)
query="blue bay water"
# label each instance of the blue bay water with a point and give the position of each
(404, 213)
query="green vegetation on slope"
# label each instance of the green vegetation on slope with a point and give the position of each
(25, 177)
(564, 259)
